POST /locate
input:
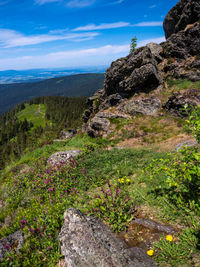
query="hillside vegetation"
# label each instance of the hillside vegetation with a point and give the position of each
(70, 86)
(37, 123)
(34, 196)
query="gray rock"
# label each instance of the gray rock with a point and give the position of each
(109, 115)
(86, 242)
(187, 143)
(141, 255)
(147, 106)
(154, 225)
(156, 50)
(63, 157)
(99, 124)
(68, 134)
(177, 101)
(183, 13)
(195, 64)
(10, 243)
(86, 115)
(110, 101)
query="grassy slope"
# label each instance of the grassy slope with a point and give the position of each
(34, 113)
(102, 165)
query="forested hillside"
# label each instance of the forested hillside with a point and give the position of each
(37, 123)
(71, 86)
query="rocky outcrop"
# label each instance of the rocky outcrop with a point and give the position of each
(183, 44)
(87, 242)
(147, 68)
(146, 106)
(137, 72)
(185, 12)
(63, 157)
(176, 103)
(10, 243)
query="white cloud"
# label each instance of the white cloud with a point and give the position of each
(153, 6)
(91, 56)
(103, 26)
(10, 38)
(157, 40)
(116, 2)
(148, 24)
(69, 3)
(80, 3)
(42, 2)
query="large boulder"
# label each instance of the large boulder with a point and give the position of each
(176, 103)
(183, 13)
(87, 242)
(146, 106)
(135, 73)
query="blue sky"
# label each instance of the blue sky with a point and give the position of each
(73, 33)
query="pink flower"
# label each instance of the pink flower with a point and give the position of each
(50, 189)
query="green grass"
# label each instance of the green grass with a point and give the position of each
(183, 84)
(99, 166)
(33, 113)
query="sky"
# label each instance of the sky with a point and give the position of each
(76, 33)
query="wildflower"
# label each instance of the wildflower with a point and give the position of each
(50, 189)
(150, 252)
(175, 184)
(7, 246)
(48, 248)
(128, 180)
(169, 238)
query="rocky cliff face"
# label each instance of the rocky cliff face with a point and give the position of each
(147, 69)
(184, 13)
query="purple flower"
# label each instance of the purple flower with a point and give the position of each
(48, 248)
(7, 246)
(83, 170)
(50, 189)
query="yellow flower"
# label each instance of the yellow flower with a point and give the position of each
(150, 252)
(169, 238)
(128, 180)
(175, 184)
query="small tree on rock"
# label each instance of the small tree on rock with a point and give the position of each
(133, 44)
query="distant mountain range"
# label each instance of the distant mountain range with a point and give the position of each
(73, 85)
(33, 75)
